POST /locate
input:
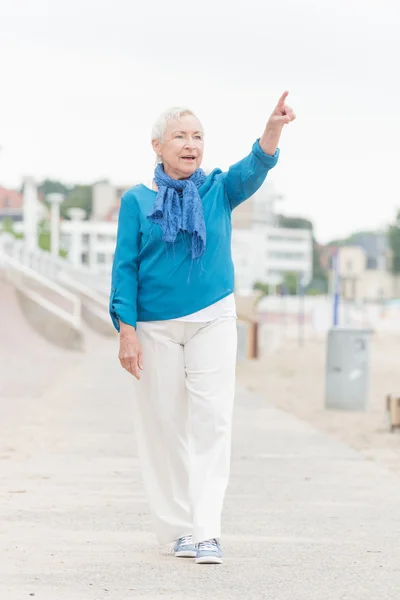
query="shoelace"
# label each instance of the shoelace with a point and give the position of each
(186, 540)
(208, 545)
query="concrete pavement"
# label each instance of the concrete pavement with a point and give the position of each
(306, 517)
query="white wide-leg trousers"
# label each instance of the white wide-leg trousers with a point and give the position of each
(183, 419)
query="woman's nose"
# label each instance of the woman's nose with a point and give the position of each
(190, 143)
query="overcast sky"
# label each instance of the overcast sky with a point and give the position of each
(83, 80)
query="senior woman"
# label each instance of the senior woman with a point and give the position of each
(172, 300)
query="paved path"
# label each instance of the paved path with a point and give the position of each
(306, 518)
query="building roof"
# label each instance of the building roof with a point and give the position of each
(10, 199)
(374, 244)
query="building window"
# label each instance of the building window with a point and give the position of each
(101, 258)
(286, 238)
(287, 255)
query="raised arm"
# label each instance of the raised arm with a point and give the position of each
(245, 177)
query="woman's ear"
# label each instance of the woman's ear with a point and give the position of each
(157, 147)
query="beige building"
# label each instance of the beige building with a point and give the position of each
(363, 284)
(242, 216)
(104, 198)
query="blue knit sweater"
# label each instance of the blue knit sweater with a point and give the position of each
(153, 280)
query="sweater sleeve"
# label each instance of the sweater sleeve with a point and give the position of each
(124, 282)
(245, 177)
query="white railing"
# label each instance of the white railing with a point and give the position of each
(19, 274)
(55, 268)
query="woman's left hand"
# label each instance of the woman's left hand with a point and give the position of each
(281, 115)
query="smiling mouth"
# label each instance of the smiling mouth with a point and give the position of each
(189, 157)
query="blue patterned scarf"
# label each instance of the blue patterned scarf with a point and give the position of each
(178, 207)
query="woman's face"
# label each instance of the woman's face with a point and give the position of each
(182, 149)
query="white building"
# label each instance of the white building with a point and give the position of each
(261, 250)
(259, 253)
(265, 254)
(89, 242)
(288, 251)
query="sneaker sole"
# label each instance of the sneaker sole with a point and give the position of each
(185, 554)
(208, 560)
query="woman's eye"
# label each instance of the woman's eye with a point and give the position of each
(179, 136)
(198, 137)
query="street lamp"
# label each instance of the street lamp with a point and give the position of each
(76, 215)
(30, 213)
(55, 200)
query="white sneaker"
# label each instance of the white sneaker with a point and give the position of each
(184, 547)
(209, 553)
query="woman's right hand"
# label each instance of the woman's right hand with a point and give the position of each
(130, 351)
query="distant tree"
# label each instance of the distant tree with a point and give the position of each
(44, 238)
(394, 243)
(259, 286)
(351, 239)
(290, 284)
(7, 226)
(314, 291)
(320, 275)
(44, 241)
(80, 197)
(75, 196)
(294, 222)
(48, 186)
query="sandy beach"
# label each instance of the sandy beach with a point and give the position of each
(293, 379)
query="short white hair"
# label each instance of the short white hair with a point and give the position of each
(161, 124)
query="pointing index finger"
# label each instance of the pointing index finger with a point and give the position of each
(281, 102)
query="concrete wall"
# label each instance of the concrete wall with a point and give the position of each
(50, 326)
(97, 319)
